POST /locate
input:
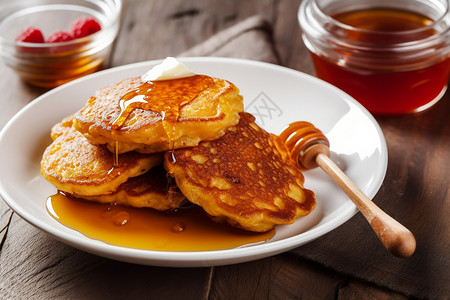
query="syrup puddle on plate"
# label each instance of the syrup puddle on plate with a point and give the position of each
(187, 229)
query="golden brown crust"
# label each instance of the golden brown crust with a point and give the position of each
(204, 118)
(245, 178)
(151, 189)
(76, 166)
(61, 127)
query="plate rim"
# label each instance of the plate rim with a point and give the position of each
(193, 258)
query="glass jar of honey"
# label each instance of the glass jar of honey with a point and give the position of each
(393, 56)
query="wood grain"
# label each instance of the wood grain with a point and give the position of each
(356, 290)
(288, 37)
(396, 238)
(34, 265)
(177, 26)
(416, 192)
(5, 219)
(278, 277)
(15, 94)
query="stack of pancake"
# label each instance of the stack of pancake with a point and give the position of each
(166, 143)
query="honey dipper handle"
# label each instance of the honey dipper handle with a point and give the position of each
(397, 239)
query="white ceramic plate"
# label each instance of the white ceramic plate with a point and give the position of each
(277, 96)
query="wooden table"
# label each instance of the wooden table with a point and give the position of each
(417, 172)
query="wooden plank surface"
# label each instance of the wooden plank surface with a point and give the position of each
(278, 277)
(5, 219)
(35, 266)
(177, 26)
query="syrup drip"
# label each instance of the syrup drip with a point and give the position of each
(116, 154)
(187, 229)
(164, 97)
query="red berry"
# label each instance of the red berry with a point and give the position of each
(31, 35)
(84, 27)
(59, 36)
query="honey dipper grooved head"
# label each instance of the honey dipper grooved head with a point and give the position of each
(304, 142)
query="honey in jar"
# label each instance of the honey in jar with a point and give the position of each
(392, 59)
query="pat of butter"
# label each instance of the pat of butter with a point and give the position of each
(170, 68)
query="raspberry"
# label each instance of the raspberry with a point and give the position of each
(31, 35)
(84, 26)
(59, 36)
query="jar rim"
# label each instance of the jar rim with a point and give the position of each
(333, 21)
(408, 50)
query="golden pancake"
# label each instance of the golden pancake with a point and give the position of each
(76, 166)
(156, 116)
(61, 127)
(151, 189)
(245, 178)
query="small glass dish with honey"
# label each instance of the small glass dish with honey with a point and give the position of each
(50, 64)
(390, 55)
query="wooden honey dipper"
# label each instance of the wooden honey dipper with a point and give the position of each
(310, 147)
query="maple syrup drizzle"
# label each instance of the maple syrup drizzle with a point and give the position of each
(165, 97)
(143, 228)
(116, 154)
(187, 229)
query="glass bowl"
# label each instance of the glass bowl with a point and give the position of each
(51, 64)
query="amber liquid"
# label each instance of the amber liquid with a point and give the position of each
(385, 89)
(165, 97)
(187, 229)
(58, 65)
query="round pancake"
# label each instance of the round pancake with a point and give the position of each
(76, 166)
(151, 189)
(61, 127)
(245, 178)
(213, 108)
